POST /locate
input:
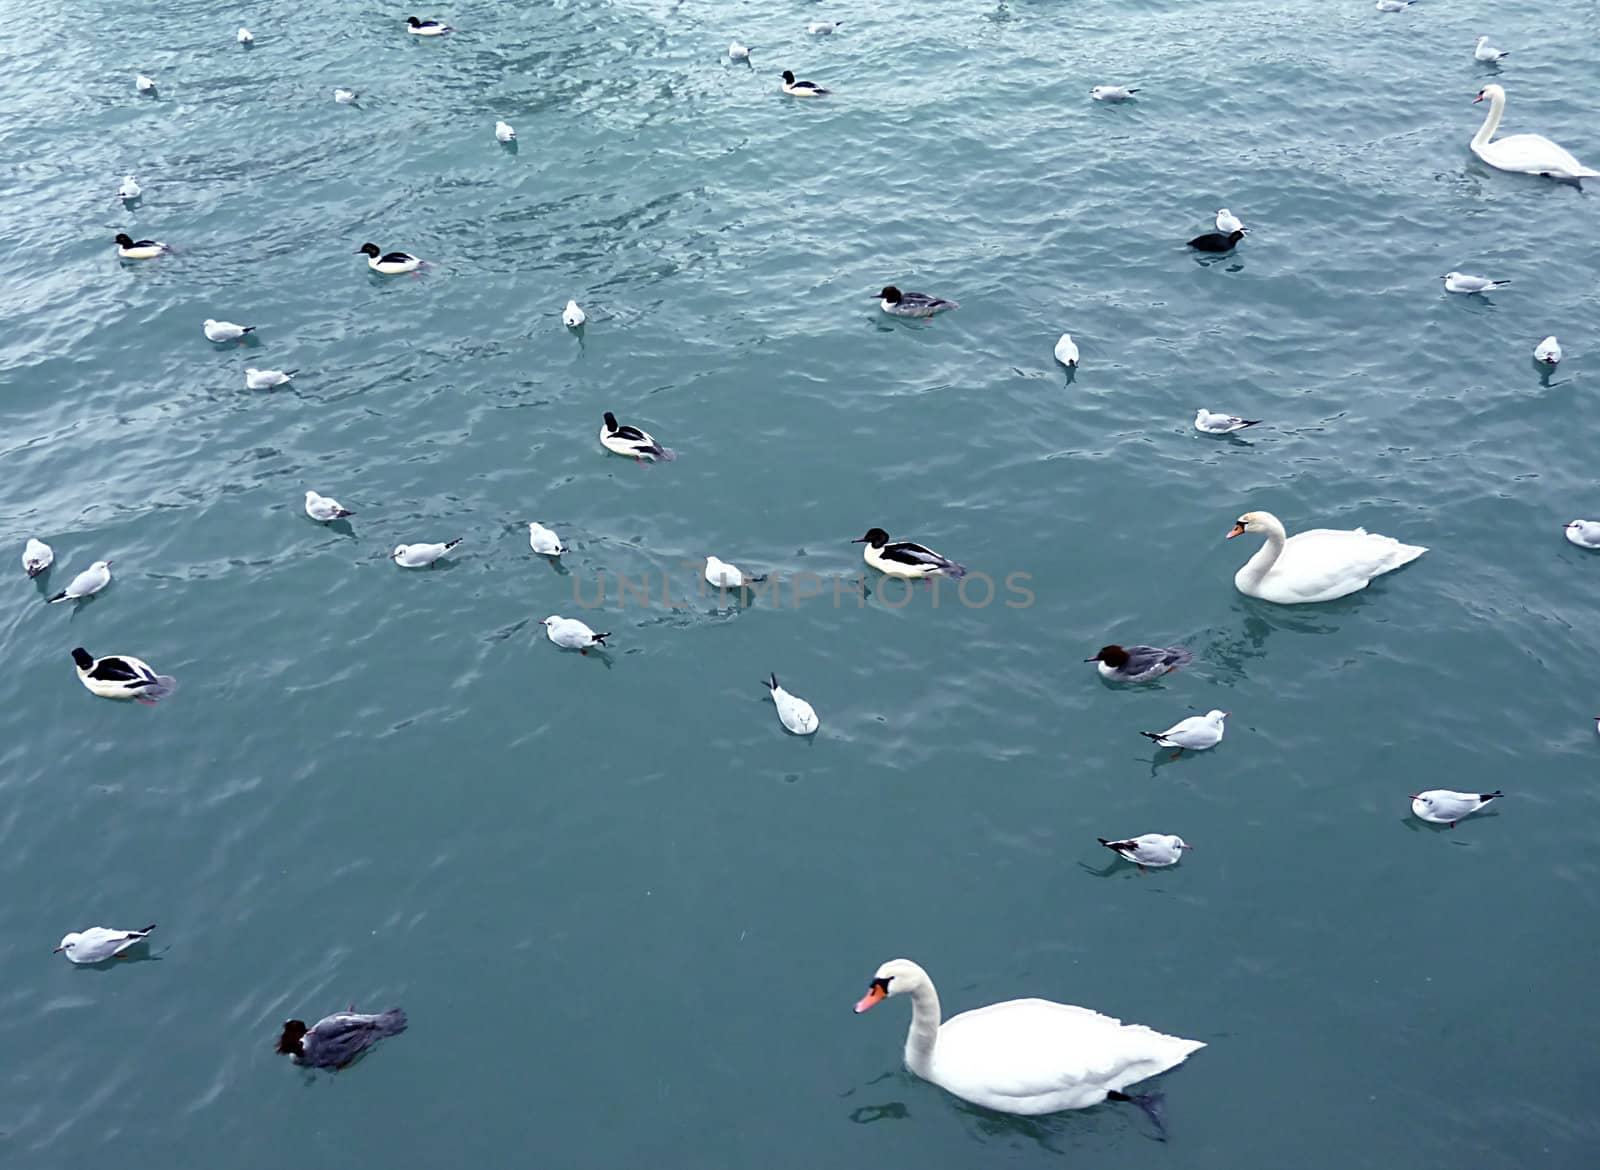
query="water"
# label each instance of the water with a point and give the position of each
(627, 914)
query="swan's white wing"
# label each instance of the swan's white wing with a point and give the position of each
(1035, 1056)
(1324, 563)
(1533, 153)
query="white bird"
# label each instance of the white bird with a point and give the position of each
(1228, 223)
(1220, 424)
(1444, 807)
(143, 84)
(93, 579)
(1487, 52)
(121, 676)
(1027, 1056)
(721, 574)
(1393, 5)
(1584, 533)
(1067, 351)
(1319, 564)
(1197, 733)
(824, 28)
(36, 556)
(571, 634)
(226, 330)
(255, 379)
(543, 541)
(739, 52)
(572, 316)
(130, 189)
(1548, 351)
(426, 28)
(98, 943)
(1528, 154)
(325, 508)
(345, 97)
(418, 556)
(244, 36)
(504, 132)
(793, 712)
(1466, 283)
(1111, 93)
(1150, 849)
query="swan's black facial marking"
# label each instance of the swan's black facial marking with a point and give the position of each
(881, 985)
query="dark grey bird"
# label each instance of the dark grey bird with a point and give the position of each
(338, 1040)
(1139, 663)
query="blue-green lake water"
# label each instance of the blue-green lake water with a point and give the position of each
(628, 914)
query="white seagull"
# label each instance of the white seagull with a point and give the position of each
(1220, 424)
(325, 508)
(1197, 733)
(793, 712)
(824, 28)
(1487, 52)
(720, 573)
(418, 556)
(130, 189)
(1152, 849)
(1393, 5)
(345, 97)
(36, 556)
(504, 132)
(244, 36)
(1227, 222)
(1111, 93)
(1444, 807)
(143, 84)
(1548, 351)
(1465, 282)
(544, 542)
(572, 316)
(255, 379)
(93, 579)
(1583, 533)
(98, 943)
(226, 330)
(1067, 351)
(571, 634)
(739, 52)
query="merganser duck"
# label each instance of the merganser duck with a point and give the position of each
(131, 249)
(418, 556)
(543, 541)
(631, 441)
(1444, 807)
(389, 263)
(37, 556)
(794, 712)
(1217, 241)
(325, 508)
(121, 676)
(1583, 533)
(1197, 733)
(571, 634)
(93, 579)
(1149, 849)
(1208, 423)
(426, 28)
(912, 304)
(336, 1041)
(1136, 664)
(99, 943)
(801, 88)
(905, 559)
(1227, 222)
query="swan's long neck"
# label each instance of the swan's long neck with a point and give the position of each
(1266, 556)
(925, 1016)
(1491, 121)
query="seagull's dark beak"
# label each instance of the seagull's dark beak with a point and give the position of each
(58, 950)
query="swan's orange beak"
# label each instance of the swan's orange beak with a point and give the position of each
(1237, 530)
(875, 994)
(1477, 99)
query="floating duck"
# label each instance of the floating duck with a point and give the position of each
(1137, 664)
(905, 559)
(631, 441)
(801, 88)
(129, 248)
(426, 28)
(121, 676)
(338, 1040)
(912, 304)
(389, 263)
(1218, 241)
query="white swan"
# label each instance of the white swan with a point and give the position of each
(1528, 154)
(1317, 565)
(1025, 1055)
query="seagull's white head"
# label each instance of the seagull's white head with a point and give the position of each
(101, 565)
(68, 941)
(399, 551)
(1180, 843)
(552, 620)
(1217, 716)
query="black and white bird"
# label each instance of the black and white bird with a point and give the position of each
(805, 89)
(543, 541)
(902, 558)
(121, 676)
(1445, 807)
(131, 249)
(912, 304)
(426, 28)
(631, 441)
(389, 263)
(1150, 849)
(87, 583)
(338, 1040)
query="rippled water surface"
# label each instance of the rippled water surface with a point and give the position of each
(627, 914)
